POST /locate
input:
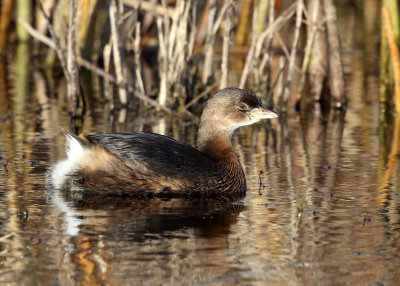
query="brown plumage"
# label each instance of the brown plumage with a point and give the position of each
(148, 163)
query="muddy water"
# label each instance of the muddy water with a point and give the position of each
(324, 211)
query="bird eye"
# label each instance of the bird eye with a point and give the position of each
(243, 106)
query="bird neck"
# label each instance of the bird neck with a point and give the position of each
(216, 144)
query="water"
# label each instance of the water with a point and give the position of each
(324, 211)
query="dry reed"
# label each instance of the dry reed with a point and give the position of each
(225, 48)
(136, 46)
(92, 67)
(286, 91)
(336, 78)
(68, 64)
(117, 50)
(394, 55)
(176, 26)
(209, 46)
(313, 28)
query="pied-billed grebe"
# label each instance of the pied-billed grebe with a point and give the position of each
(147, 163)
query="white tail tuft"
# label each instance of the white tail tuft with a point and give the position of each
(62, 169)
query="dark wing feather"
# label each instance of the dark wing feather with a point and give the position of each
(161, 154)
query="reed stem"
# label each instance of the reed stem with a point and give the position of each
(24, 11)
(225, 49)
(336, 75)
(117, 49)
(209, 50)
(90, 66)
(286, 92)
(394, 55)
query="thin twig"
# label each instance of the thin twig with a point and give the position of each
(283, 46)
(217, 23)
(275, 26)
(258, 41)
(34, 33)
(204, 93)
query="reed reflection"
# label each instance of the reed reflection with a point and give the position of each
(173, 233)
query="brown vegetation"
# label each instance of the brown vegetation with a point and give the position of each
(188, 48)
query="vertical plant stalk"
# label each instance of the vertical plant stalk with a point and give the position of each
(136, 47)
(393, 7)
(163, 55)
(209, 50)
(336, 76)
(24, 11)
(117, 52)
(84, 20)
(385, 77)
(225, 49)
(292, 60)
(258, 43)
(318, 69)
(261, 10)
(163, 36)
(212, 29)
(71, 59)
(174, 50)
(279, 79)
(261, 73)
(394, 54)
(174, 29)
(181, 53)
(193, 30)
(269, 55)
(311, 35)
(178, 44)
(274, 27)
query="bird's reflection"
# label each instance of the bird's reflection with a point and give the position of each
(135, 218)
